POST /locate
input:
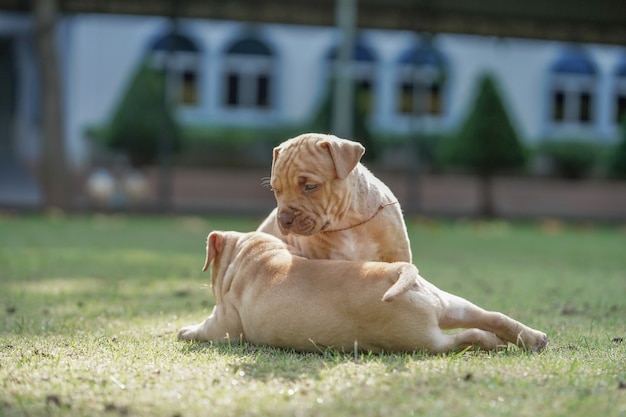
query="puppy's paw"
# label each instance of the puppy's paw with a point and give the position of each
(189, 332)
(535, 341)
(541, 342)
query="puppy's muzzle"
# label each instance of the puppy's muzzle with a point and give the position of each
(286, 220)
(296, 222)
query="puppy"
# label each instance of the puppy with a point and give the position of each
(266, 295)
(329, 206)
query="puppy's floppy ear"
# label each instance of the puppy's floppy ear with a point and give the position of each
(275, 155)
(407, 280)
(345, 153)
(214, 244)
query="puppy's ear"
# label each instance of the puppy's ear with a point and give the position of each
(274, 157)
(214, 244)
(407, 280)
(345, 153)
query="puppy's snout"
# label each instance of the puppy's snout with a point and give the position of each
(286, 220)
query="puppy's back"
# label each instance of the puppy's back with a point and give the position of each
(335, 303)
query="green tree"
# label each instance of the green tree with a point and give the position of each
(142, 124)
(617, 167)
(487, 142)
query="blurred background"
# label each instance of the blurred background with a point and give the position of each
(466, 108)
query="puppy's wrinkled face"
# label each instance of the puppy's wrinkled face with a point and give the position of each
(310, 191)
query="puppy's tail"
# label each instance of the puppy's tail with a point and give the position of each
(407, 280)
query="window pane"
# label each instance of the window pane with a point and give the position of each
(364, 95)
(189, 90)
(434, 99)
(405, 98)
(585, 107)
(620, 108)
(262, 92)
(364, 85)
(558, 106)
(232, 93)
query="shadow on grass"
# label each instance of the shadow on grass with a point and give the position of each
(266, 363)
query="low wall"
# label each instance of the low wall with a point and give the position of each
(203, 190)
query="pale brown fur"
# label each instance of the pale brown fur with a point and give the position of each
(330, 206)
(266, 295)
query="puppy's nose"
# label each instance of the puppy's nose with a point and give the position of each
(286, 220)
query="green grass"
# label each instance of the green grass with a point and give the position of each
(90, 307)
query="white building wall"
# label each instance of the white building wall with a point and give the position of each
(518, 67)
(301, 53)
(606, 59)
(388, 46)
(101, 52)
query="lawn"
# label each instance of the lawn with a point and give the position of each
(90, 307)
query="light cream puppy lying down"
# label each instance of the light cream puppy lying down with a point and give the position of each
(266, 295)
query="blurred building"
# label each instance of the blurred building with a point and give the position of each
(233, 73)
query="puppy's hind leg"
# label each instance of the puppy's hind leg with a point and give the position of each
(480, 339)
(219, 327)
(194, 331)
(460, 313)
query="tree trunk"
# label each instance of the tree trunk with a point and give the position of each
(485, 208)
(53, 164)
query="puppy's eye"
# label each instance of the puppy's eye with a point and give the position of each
(310, 187)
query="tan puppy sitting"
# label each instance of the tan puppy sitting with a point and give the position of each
(329, 206)
(266, 295)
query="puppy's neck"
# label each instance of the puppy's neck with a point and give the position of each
(369, 197)
(361, 223)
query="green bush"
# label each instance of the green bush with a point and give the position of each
(142, 123)
(617, 164)
(424, 147)
(571, 159)
(231, 146)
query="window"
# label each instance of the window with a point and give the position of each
(363, 73)
(620, 91)
(249, 75)
(573, 89)
(181, 57)
(420, 82)
(620, 107)
(189, 87)
(558, 106)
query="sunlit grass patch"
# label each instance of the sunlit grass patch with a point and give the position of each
(90, 308)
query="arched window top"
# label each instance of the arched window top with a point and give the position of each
(174, 42)
(423, 54)
(249, 46)
(183, 65)
(574, 61)
(361, 53)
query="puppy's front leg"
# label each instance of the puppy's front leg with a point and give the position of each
(460, 313)
(222, 324)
